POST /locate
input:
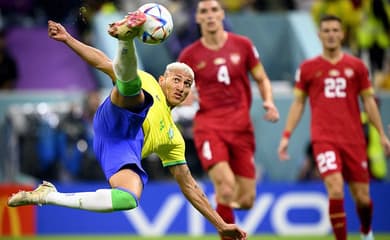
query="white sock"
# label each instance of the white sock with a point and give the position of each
(99, 201)
(125, 62)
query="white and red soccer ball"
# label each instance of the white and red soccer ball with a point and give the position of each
(158, 25)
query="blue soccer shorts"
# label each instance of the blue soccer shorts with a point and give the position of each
(119, 137)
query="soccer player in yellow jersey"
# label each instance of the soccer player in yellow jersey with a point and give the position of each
(132, 122)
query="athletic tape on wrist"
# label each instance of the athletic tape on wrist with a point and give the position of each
(286, 134)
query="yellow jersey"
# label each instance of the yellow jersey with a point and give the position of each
(161, 133)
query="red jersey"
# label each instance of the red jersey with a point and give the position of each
(221, 79)
(333, 91)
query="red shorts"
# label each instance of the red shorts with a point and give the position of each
(237, 148)
(350, 160)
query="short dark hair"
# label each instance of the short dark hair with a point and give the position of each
(210, 0)
(329, 17)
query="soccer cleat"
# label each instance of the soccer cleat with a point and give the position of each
(35, 197)
(129, 27)
(368, 236)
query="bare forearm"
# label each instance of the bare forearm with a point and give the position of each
(195, 195)
(294, 115)
(265, 90)
(374, 115)
(198, 199)
(93, 56)
(263, 83)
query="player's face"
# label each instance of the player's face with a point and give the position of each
(176, 85)
(331, 35)
(209, 16)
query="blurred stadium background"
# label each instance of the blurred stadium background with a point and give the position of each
(45, 129)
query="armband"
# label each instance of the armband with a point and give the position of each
(286, 134)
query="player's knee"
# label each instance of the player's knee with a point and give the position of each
(123, 200)
(224, 189)
(362, 199)
(336, 194)
(226, 193)
(335, 190)
(246, 201)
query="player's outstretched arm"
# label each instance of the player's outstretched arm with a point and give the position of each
(91, 55)
(294, 116)
(265, 88)
(196, 196)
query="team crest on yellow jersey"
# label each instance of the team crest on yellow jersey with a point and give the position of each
(171, 133)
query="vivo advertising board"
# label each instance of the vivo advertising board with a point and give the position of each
(285, 209)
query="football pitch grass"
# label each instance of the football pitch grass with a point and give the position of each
(186, 237)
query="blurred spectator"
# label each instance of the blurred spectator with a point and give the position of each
(303, 5)
(20, 12)
(377, 163)
(64, 11)
(273, 5)
(90, 169)
(344, 9)
(75, 144)
(54, 141)
(373, 34)
(185, 30)
(86, 13)
(236, 5)
(382, 81)
(8, 66)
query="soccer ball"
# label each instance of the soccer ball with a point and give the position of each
(158, 25)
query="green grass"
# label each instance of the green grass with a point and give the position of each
(186, 237)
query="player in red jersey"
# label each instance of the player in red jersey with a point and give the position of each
(334, 82)
(223, 130)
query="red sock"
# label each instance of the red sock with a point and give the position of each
(226, 213)
(338, 218)
(365, 216)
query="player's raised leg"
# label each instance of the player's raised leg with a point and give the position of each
(127, 93)
(126, 182)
